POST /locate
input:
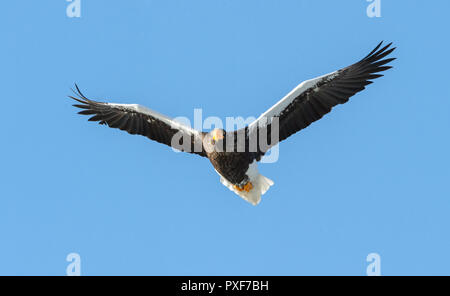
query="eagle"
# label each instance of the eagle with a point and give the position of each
(235, 154)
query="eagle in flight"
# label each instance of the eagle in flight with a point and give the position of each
(234, 154)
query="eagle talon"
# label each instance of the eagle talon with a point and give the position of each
(247, 187)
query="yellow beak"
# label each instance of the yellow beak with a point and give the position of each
(216, 136)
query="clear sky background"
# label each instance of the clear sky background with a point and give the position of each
(372, 176)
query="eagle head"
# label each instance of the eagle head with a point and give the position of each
(217, 135)
(214, 140)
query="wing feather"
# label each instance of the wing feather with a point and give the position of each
(314, 98)
(139, 120)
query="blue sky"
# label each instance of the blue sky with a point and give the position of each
(372, 176)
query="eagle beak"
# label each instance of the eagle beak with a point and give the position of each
(217, 135)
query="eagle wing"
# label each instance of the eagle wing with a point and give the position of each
(314, 98)
(139, 120)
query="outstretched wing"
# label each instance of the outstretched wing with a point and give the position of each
(314, 98)
(139, 120)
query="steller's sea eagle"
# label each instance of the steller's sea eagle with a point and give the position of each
(237, 166)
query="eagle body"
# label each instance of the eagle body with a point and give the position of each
(233, 166)
(239, 172)
(234, 160)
